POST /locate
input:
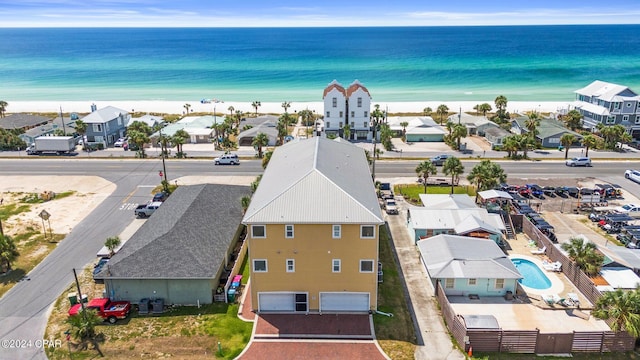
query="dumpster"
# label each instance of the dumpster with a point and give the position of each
(157, 306)
(73, 298)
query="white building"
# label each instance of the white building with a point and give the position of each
(350, 106)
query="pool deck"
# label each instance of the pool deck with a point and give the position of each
(528, 310)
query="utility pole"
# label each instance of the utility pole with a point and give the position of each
(84, 313)
(64, 131)
(459, 115)
(164, 168)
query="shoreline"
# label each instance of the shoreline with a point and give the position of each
(177, 107)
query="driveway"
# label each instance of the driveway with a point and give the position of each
(313, 336)
(432, 335)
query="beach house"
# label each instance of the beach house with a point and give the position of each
(467, 266)
(609, 104)
(347, 106)
(548, 131)
(313, 228)
(106, 125)
(180, 254)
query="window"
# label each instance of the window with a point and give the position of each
(301, 302)
(328, 124)
(625, 117)
(341, 114)
(97, 127)
(336, 231)
(628, 105)
(328, 114)
(288, 231)
(365, 124)
(366, 114)
(353, 125)
(335, 265)
(616, 105)
(611, 119)
(340, 125)
(353, 114)
(335, 102)
(366, 266)
(499, 283)
(367, 232)
(291, 265)
(448, 283)
(258, 231)
(637, 119)
(360, 102)
(472, 282)
(259, 265)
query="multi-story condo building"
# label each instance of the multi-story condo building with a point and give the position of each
(609, 104)
(350, 106)
(313, 228)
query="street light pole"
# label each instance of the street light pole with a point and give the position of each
(164, 168)
(215, 121)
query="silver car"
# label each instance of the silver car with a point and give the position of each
(578, 161)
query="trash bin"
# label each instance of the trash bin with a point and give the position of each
(143, 306)
(231, 295)
(508, 295)
(157, 306)
(73, 298)
(85, 298)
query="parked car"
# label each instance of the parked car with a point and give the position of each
(143, 211)
(161, 196)
(105, 308)
(99, 265)
(629, 209)
(633, 175)
(578, 161)
(227, 159)
(535, 190)
(439, 160)
(391, 207)
(120, 142)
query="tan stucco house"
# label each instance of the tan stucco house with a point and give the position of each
(313, 229)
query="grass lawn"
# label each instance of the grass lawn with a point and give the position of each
(395, 334)
(181, 332)
(411, 192)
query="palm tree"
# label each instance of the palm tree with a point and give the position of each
(259, 141)
(404, 125)
(83, 327)
(427, 111)
(442, 111)
(231, 110)
(511, 144)
(306, 116)
(486, 175)
(3, 107)
(81, 129)
(139, 133)
(459, 131)
(266, 158)
(532, 122)
(622, 308)
(111, 244)
(453, 166)
(424, 170)
(239, 114)
(501, 107)
(585, 254)
(187, 107)
(526, 143)
(484, 108)
(256, 105)
(346, 131)
(179, 138)
(567, 140)
(285, 105)
(573, 119)
(244, 202)
(589, 141)
(8, 253)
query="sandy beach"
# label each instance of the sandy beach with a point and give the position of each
(177, 107)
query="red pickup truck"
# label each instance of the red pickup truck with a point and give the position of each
(106, 309)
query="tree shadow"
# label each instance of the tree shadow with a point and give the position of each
(13, 276)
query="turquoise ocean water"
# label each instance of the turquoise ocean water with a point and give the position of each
(537, 63)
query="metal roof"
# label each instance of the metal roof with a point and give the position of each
(104, 115)
(315, 181)
(604, 91)
(186, 238)
(451, 256)
(472, 223)
(448, 201)
(423, 218)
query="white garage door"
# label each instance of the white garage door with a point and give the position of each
(276, 302)
(344, 302)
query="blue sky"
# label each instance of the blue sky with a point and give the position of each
(269, 13)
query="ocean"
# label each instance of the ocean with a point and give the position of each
(523, 63)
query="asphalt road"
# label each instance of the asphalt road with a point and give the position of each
(24, 309)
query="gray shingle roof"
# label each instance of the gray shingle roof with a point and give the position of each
(187, 237)
(451, 256)
(103, 115)
(19, 121)
(316, 181)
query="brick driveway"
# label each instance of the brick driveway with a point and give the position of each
(314, 336)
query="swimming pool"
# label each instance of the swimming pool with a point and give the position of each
(532, 276)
